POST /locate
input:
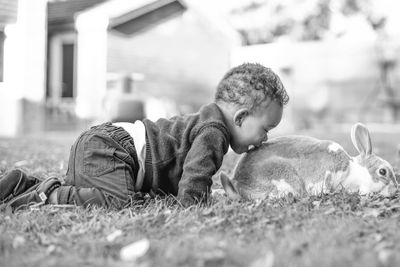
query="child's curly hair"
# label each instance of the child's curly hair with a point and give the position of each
(249, 85)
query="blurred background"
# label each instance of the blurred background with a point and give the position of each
(67, 64)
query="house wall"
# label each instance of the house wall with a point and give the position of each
(182, 58)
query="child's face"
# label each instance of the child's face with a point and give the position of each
(252, 128)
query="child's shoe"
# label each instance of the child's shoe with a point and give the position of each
(36, 197)
(14, 183)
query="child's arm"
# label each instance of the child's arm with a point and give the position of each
(201, 163)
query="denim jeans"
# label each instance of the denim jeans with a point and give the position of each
(102, 168)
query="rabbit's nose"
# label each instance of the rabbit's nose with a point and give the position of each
(397, 179)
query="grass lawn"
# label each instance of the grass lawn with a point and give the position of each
(329, 230)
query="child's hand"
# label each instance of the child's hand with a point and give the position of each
(187, 201)
(190, 198)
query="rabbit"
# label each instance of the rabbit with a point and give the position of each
(303, 165)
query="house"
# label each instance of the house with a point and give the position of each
(90, 51)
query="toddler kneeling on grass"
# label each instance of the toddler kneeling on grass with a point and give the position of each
(111, 162)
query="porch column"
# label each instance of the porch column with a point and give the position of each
(24, 67)
(10, 112)
(91, 64)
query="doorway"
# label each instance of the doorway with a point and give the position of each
(68, 70)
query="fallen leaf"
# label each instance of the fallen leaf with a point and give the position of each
(44, 239)
(51, 249)
(18, 241)
(378, 237)
(208, 212)
(384, 256)
(167, 212)
(394, 207)
(114, 235)
(135, 250)
(21, 163)
(265, 261)
(213, 255)
(330, 211)
(316, 203)
(371, 212)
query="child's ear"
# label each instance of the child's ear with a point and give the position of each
(240, 115)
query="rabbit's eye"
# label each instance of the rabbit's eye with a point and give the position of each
(382, 172)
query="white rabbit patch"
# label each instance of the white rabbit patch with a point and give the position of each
(335, 147)
(385, 192)
(388, 190)
(282, 187)
(316, 188)
(359, 179)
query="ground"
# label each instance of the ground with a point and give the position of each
(337, 229)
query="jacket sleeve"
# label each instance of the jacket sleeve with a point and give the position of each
(202, 162)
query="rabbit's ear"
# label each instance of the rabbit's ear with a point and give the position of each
(228, 186)
(361, 139)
